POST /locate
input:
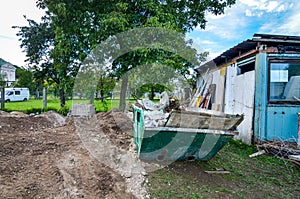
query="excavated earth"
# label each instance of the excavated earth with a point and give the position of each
(51, 156)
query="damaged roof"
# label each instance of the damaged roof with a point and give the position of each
(282, 42)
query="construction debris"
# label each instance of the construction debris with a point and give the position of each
(147, 104)
(154, 115)
(155, 118)
(279, 148)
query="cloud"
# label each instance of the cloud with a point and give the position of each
(287, 24)
(258, 8)
(208, 42)
(292, 26)
(269, 6)
(251, 3)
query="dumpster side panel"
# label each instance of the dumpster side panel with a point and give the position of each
(168, 145)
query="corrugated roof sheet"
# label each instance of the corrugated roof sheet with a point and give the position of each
(248, 45)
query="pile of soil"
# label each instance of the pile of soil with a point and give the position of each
(118, 127)
(43, 157)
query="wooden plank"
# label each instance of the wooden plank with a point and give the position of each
(294, 157)
(187, 119)
(257, 153)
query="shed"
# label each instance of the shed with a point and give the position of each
(260, 78)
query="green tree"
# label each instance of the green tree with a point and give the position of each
(105, 86)
(24, 79)
(71, 29)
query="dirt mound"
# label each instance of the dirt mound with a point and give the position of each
(42, 157)
(104, 139)
(117, 126)
(54, 118)
(13, 124)
(2, 113)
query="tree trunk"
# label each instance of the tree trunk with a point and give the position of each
(123, 93)
(137, 94)
(62, 97)
(37, 93)
(152, 93)
(102, 95)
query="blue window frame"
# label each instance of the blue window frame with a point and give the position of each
(284, 81)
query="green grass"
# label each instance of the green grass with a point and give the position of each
(34, 106)
(259, 177)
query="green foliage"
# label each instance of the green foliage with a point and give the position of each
(64, 110)
(72, 29)
(103, 106)
(24, 79)
(2, 82)
(105, 86)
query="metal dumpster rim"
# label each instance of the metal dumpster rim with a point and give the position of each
(190, 130)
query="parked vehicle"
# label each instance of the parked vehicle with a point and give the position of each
(16, 94)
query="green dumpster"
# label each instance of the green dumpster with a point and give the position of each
(175, 143)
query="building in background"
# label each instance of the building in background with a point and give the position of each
(7, 72)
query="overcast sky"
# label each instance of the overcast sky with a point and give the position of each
(222, 32)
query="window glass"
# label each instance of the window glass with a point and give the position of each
(17, 93)
(9, 93)
(285, 81)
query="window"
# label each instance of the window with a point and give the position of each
(17, 93)
(284, 81)
(246, 68)
(9, 93)
(246, 65)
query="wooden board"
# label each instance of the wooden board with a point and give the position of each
(198, 120)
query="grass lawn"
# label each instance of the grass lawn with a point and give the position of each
(259, 177)
(33, 105)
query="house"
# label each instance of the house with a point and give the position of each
(260, 78)
(7, 72)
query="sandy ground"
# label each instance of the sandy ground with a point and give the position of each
(51, 156)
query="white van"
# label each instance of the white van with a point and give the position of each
(16, 94)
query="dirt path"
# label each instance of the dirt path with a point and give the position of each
(49, 156)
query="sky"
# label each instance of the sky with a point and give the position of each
(222, 32)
